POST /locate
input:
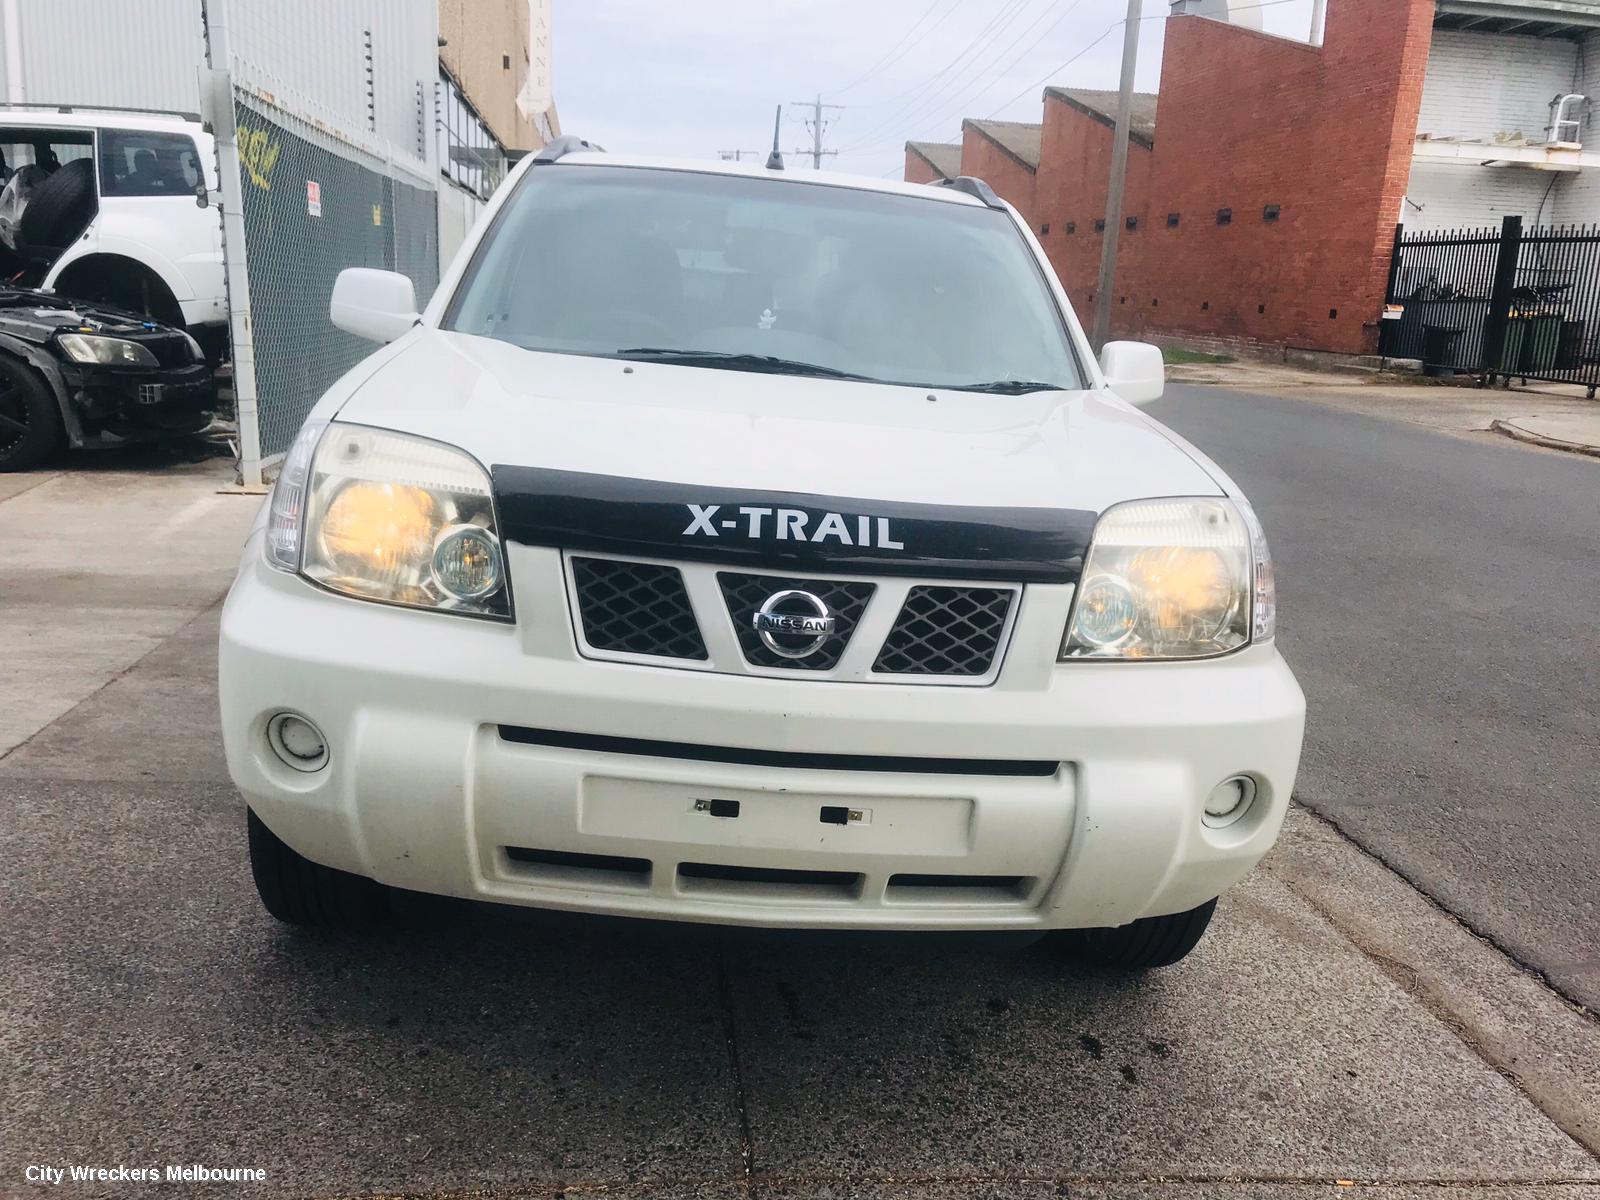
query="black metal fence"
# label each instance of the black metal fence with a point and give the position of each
(1500, 304)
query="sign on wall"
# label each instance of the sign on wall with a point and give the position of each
(536, 95)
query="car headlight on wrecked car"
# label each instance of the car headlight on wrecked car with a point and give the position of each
(1173, 579)
(105, 351)
(388, 517)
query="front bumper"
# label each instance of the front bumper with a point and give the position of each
(443, 779)
(113, 405)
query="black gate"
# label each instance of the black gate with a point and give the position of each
(1500, 304)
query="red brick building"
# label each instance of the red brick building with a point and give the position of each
(930, 162)
(1074, 170)
(1005, 154)
(1264, 208)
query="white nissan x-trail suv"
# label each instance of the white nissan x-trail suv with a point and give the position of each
(738, 546)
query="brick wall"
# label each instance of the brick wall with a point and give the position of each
(985, 159)
(1576, 198)
(480, 35)
(1461, 98)
(1453, 196)
(1247, 120)
(1070, 193)
(917, 168)
(1482, 84)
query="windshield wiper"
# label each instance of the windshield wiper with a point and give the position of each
(1005, 387)
(768, 363)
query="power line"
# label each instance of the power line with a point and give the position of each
(892, 57)
(945, 97)
(915, 97)
(993, 77)
(875, 139)
(897, 117)
(1056, 70)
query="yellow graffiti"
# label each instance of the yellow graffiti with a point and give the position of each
(259, 153)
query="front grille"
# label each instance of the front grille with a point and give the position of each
(171, 350)
(946, 631)
(744, 594)
(566, 867)
(768, 882)
(636, 608)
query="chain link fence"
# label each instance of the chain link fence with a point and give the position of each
(314, 205)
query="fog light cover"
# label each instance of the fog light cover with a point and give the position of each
(297, 742)
(1229, 801)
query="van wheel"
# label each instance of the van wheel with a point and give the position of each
(300, 892)
(30, 422)
(1145, 944)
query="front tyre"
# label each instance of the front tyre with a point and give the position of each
(300, 892)
(1144, 945)
(30, 422)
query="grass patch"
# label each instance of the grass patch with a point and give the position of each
(1195, 356)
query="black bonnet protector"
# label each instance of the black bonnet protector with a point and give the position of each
(641, 518)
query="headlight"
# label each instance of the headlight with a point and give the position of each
(1172, 579)
(385, 516)
(107, 351)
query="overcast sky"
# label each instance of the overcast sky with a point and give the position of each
(697, 77)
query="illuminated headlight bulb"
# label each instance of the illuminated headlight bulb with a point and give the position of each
(377, 531)
(466, 562)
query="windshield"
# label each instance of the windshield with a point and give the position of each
(757, 274)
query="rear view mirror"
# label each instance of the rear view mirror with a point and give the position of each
(1135, 371)
(377, 305)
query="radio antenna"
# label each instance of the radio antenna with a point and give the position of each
(775, 159)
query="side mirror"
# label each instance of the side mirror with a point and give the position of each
(377, 305)
(1134, 370)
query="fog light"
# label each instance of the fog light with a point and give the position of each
(1229, 800)
(298, 742)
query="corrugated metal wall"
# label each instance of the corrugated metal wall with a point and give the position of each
(316, 52)
(126, 53)
(311, 53)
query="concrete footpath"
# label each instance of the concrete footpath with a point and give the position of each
(1335, 1034)
(1555, 416)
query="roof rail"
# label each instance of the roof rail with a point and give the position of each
(111, 108)
(973, 187)
(567, 143)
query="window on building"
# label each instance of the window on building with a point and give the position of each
(136, 162)
(469, 154)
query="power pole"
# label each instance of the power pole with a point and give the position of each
(1119, 178)
(817, 125)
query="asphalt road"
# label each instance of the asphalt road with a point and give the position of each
(1333, 1025)
(1439, 599)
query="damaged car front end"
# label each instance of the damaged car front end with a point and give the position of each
(93, 377)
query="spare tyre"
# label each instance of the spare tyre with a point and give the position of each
(60, 208)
